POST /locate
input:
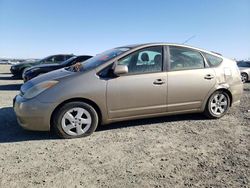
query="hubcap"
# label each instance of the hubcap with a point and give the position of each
(219, 104)
(76, 121)
(243, 77)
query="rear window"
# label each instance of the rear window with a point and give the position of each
(212, 60)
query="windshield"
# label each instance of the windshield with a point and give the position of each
(101, 58)
(41, 61)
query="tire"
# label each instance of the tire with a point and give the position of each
(244, 77)
(217, 105)
(75, 120)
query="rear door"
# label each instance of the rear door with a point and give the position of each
(189, 80)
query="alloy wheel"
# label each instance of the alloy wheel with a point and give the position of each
(76, 121)
(219, 104)
(244, 77)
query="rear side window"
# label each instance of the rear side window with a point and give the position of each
(182, 58)
(244, 64)
(212, 60)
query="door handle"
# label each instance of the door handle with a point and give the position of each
(209, 77)
(158, 82)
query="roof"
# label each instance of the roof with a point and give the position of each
(166, 43)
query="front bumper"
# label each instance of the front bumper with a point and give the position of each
(32, 114)
(13, 71)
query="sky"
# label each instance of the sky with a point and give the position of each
(38, 28)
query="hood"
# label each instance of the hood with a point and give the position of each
(53, 75)
(27, 63)
(44, 66)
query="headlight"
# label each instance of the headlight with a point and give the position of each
(39, 88)
(28, 70)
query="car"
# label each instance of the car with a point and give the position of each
(18, 69)
(34, 71)
(244, 67)
(129, 82)
(4, 61)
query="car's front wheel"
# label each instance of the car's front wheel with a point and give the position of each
(244, 77)
(217, 105)
(75, 119)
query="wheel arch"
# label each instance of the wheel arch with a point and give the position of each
(79, 99)
(228, 92)
(245, 72)
(220, 88)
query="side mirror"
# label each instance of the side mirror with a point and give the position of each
(120, 69)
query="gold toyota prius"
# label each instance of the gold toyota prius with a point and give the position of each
(129, 82)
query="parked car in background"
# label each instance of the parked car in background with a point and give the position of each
(130, 82)
(244, 67)
(17, 70)
(34, 71)
(4, 61)
(10, 61)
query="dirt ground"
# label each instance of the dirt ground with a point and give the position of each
(174, 151)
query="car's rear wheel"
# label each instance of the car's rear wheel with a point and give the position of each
(75, 119)
(244, 77)
(217, 105)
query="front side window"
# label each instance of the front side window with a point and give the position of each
(144, 61)
(182, 58)
(46, 60)
(49, 60)
(58, 59)
(212, 60)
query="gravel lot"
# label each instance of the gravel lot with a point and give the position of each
(174, 151)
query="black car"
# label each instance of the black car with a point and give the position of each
(41, 69)
(17, 70)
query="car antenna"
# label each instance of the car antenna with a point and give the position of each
(189, 39)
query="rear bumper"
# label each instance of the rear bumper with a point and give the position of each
(32, 114)
(237, 91)
(236, 104)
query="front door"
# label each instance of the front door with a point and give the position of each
(143, 90)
